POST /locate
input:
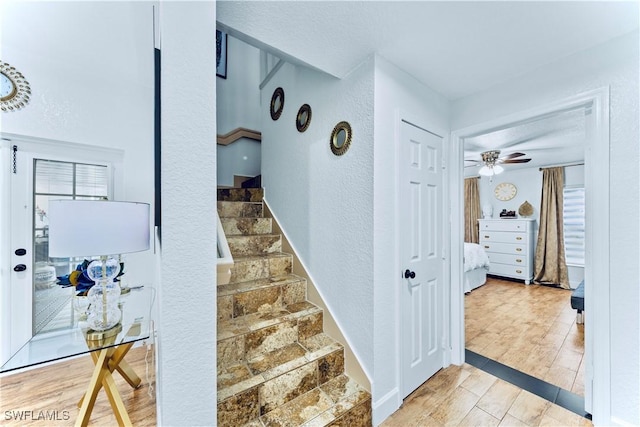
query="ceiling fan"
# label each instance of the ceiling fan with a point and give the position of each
(492, 161)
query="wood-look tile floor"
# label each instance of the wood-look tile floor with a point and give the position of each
(54, 391)
(531, 328)
(467, 396)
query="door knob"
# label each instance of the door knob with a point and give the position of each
(408, 274)
(20, 267)
(21, 252)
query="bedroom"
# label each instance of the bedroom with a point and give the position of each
(509, 317)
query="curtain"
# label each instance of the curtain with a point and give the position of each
(471, 210)
(550, 266)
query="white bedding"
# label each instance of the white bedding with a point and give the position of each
(475, 257)
(476, 266)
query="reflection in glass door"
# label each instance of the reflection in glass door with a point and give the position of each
(52, 303)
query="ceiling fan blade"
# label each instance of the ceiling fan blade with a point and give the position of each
(516, 161)
(471, 160)
(512, 156)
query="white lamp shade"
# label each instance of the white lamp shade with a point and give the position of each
(497, 169)
(97, 227)
(486, 171)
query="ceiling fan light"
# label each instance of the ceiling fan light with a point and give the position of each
(486, 171)
(497, 169)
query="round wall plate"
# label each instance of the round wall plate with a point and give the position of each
(14, 88)
(277, 103)
(303, 119)
(340, 138)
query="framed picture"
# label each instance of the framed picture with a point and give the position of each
(221, 54)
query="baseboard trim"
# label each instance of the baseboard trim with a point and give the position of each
(385, 406)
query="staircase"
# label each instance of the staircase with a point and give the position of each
(276, 367)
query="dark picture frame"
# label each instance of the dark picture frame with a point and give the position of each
(221, 54)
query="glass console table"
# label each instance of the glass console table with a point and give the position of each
(107, 350)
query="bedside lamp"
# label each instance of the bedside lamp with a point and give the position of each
(85, 228)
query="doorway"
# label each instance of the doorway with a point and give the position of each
(30, 298)
(421, 187)
(596, 109)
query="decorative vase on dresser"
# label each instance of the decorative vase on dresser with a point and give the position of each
(509, 245)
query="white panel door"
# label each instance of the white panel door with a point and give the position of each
(421, 238)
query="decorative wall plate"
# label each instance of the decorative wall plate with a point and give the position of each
(14, 88)
(525, 209)
(340, 138)
(303, 119)
(277, 103)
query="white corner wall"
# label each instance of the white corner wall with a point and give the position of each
(186, 299)
(90, 85)
(397, 96)
(613, 64)
(325, 202)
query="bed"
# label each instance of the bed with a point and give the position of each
(476, 266)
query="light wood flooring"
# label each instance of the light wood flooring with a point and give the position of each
(531, 328)
(466, 396)
(56, 389)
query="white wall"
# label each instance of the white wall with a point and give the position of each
(397, 96)
(324, 202)
(614, 64)
(90, 85)
(238, 105)
(187, 308)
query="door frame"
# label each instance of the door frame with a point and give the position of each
(400, 117)
(51, 149)
(597, 339)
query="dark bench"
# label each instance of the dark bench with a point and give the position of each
(577, 301)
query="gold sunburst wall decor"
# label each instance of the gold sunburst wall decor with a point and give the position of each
(14, 88)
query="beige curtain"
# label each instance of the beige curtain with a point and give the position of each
(471, 210)
(550, 265)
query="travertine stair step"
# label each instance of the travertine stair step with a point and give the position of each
(245, 337)
(339, 401)
(261, 295)
(246, 226)
(254, 244)
(240, 209)
(240, 194)
(262, 266)
(263, 383)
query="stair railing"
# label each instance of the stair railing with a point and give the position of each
(225, 259)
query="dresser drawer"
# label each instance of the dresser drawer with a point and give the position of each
(503, 236)
(510, 271)
(516, 260)
(505, 248)
(503, 225)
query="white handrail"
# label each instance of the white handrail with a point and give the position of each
(225, 259)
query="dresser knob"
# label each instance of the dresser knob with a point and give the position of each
(486, 247)
(519, 271)
(518, 238)
(486, 237)
(518, 260)
(519, 249)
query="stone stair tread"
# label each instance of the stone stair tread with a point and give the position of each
(321, 406)
(239, 287)
(228, 328)
(237, 378)
(241, 226)
(240, 194)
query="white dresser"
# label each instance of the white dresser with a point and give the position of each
(510, 246)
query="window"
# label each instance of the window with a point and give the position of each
(573, 219)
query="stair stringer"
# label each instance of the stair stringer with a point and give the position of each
(352, 366)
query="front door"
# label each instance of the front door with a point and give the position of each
(31, 300)
(421, 231)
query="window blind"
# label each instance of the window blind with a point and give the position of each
(574, 225)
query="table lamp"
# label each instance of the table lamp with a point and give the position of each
(89, 228)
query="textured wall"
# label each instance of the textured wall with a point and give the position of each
(89, 85)
(325, 202)
(614, 64)
(187, 308)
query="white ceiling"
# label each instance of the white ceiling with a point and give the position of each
(455, 47)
